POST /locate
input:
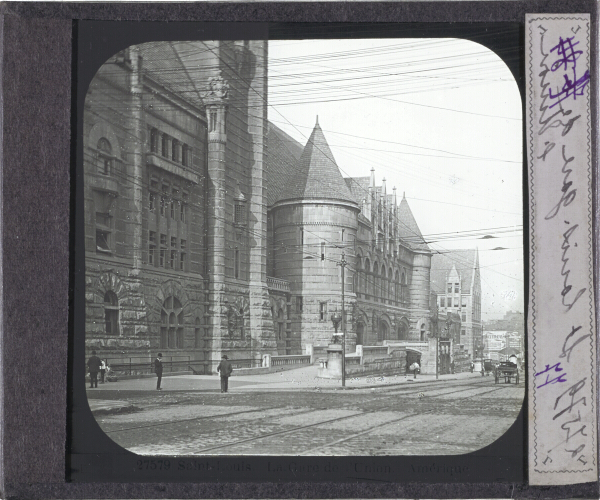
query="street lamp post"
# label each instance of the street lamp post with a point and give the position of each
(343, 264)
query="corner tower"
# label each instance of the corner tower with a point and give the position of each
(314, 221)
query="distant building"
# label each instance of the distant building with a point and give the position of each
(456, 280)
(499, 344)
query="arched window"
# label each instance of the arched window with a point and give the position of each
(104, 156)
(390, 283)
(397, 288)
(111, 313)
(171, 324)
(422, 332)
(404, 290)
(382, 331)
(403, 330)
(383, 284)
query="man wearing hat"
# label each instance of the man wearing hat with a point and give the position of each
(158, 369)
(224, 370)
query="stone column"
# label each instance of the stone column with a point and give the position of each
(216, 109)
(136, 158)
(419, 288)
(261, 323)
(132, 303)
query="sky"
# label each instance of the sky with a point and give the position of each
(439, 119)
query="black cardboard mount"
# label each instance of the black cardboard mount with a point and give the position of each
(39, 92)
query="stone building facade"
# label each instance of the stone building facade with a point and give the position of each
(209, 231)
(456, 280)
(175, 212)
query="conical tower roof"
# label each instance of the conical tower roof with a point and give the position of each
(317, 175)
(408, 229)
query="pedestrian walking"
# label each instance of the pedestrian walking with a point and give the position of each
(158, 369)
(472, 366)
(452, 367)
(224, 370)
(102, 370)
(414, 368)
(93, 365)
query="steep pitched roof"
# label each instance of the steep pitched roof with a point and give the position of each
(408, 229)
(359, 187)
(316, 175)
(283, 153)
(442, 264)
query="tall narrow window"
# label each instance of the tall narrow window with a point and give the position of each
(111, 313)
(182, 212)
(104, 222)
(154, 136)
(239, 214)
(185, 153)
(442, 301)
(322, 311)
(151, 201)
(236, 264)
(322, 250)
(198, 340)
(163, 202)
(182, 255)
(212, 117)
(151, 247)
(301, 236)
(172, 210)
(171, 324)
(298, 305)
(175, 150)
(163, 250)
(165, 146)
(105, 156)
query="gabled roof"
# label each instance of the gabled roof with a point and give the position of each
(283, 153)
(441, 265)
(359, 187)
(316, 175)
(408, 229)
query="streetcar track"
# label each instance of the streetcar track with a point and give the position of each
(378, 398)
(299, 428)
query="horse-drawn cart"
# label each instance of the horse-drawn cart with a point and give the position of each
(507, 371)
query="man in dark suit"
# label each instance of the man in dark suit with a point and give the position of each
(158, 369)
(224, 370)
(94, 367)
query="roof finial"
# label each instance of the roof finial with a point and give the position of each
(317, 120)
(372, 183)
(404, 195)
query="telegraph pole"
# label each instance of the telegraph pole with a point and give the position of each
(342, 264)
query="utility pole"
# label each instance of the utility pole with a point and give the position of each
(342, 264)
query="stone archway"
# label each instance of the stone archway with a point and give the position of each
(403, 329)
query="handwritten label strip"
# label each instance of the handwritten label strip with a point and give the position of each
(562, 341)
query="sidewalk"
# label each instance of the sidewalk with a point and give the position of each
(301, 379)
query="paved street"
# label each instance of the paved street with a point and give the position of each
(291, 413)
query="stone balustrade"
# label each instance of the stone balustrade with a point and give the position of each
(278, 284)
